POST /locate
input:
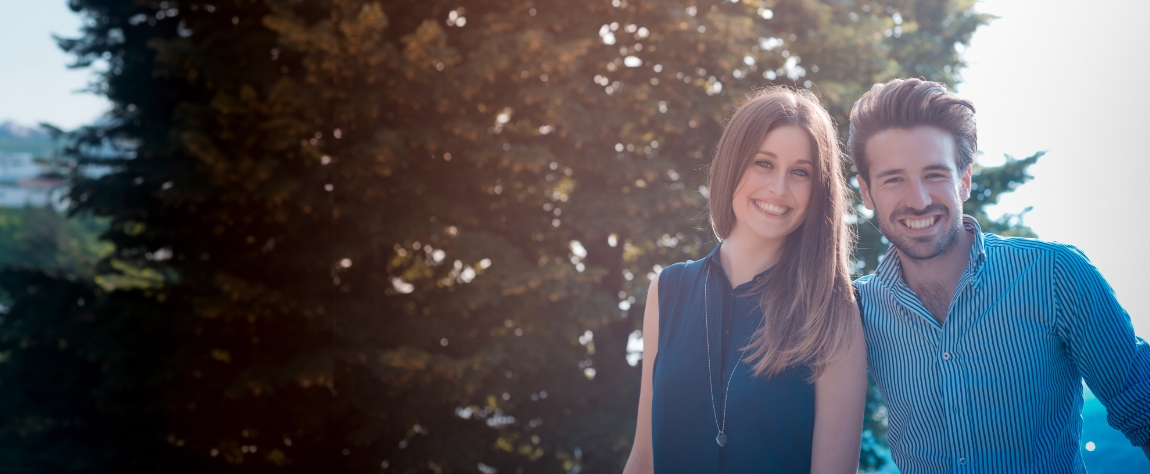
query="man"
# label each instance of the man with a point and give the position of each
(979, 343)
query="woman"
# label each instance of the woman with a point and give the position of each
(754, 359)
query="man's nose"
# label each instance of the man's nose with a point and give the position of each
(919, 197)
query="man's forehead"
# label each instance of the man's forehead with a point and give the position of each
(917, 147)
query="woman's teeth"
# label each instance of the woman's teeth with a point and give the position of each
(919, 223)
(770, 208)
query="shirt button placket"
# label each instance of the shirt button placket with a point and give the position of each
(954, 398)
(950, 386)
(953, 391)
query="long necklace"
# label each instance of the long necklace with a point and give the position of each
(722, 436)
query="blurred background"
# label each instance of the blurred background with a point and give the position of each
(416, 236)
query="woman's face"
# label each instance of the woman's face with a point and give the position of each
(772, 196)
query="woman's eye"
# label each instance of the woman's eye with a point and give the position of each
(801, 172)
(763, 164)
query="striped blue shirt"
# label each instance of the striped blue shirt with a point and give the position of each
(998, 386)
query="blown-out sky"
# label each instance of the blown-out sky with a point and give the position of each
(35, 83)
(1067, 77)
(1054, 75)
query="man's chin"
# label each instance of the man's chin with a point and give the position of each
(921, 247)
(920, 251)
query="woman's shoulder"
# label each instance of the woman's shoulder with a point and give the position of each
(692, 266)
(676, 272)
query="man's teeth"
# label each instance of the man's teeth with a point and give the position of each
(919, 223)
(770, 208)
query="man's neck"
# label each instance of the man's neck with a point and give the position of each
(935, 279)
(742, 258)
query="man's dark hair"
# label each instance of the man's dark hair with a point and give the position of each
(910, 103)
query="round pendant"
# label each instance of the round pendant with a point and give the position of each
(721, 439)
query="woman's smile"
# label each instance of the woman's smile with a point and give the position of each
(771, 209)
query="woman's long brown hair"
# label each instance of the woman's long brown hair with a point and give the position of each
(807, 300)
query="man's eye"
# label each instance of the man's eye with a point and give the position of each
(892, 181)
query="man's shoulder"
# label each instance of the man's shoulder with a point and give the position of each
(868, 285)
(863, 281)
(1009, 244)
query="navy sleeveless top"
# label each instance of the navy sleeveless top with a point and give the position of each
(769, 421)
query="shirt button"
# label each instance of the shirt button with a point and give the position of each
(962, 461)
(945, 356)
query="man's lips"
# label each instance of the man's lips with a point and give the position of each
(919, 220)
(919, 223)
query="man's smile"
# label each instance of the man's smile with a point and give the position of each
(919, 223)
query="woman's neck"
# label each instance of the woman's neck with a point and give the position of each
(742, 258)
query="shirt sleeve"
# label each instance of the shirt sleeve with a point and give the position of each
(1101, 342)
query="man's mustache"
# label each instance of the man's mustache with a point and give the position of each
(909, 212)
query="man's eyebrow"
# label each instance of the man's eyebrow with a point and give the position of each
(895, 171)
(888, 173)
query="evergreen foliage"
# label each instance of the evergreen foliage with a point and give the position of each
(353, 236)
(42, 238)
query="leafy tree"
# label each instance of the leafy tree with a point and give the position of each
(410, 236)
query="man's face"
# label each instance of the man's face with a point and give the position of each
(915, 189)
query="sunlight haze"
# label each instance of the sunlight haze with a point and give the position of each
(1051, 75)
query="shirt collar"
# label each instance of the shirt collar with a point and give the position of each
(713, 258)
(890, 269)
(713, 264)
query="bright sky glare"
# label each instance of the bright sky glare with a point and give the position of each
(1064, 77)
(1047, 75)
(36, 85)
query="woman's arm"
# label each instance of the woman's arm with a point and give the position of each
(840, 395)
(641, 460)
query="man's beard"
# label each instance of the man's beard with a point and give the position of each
(923, 247)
